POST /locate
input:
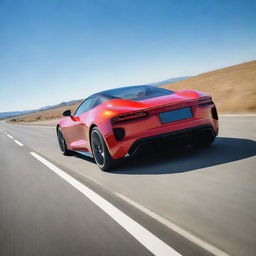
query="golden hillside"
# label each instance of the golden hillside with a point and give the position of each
(233, 88)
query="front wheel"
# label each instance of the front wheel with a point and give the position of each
(100, 151)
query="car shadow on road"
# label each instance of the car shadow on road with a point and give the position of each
(178, 160)
(84, 157)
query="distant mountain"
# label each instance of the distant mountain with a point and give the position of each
(4, 115)
(62, 104)
(11, 114)
(169, 81)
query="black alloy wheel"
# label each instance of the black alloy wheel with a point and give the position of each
(100, 151)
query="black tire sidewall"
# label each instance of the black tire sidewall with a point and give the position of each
(108, 161)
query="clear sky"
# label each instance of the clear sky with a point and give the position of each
(56, 50)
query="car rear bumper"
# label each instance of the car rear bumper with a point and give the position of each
(183, 137)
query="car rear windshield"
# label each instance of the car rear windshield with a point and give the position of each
(137, 93)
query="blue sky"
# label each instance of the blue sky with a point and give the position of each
(56, 50)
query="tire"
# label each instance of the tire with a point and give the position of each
(62, 143)
(204, 139)
(100, 151)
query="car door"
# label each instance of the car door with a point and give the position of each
(76, 129)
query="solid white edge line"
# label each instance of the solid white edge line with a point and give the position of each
(141, 234)
(9, 136)
(245, 115)
(19, 143)
(34, 126)
(194, 239)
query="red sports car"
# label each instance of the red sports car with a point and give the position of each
(115, 124)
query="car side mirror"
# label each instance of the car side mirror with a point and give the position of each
(67, 113)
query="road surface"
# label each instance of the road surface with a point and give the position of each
(187, 202)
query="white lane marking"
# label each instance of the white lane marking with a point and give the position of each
(194, 239)
(146, 238)
(245, 115)
(19, 143)
(34, 126)
(9, 136)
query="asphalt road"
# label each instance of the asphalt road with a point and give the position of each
(196, 202)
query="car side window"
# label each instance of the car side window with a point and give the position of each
(85, 106)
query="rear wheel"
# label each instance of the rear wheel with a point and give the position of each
(62, 143)
(100, 151)
(204, 138)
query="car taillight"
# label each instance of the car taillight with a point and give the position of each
(128, 117)
(205, 102)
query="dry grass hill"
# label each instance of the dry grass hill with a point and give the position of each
(233, 88)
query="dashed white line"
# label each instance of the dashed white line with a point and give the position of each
(18, 142)
(9, 136)
(141, 234)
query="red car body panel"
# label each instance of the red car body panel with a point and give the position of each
(76, 130)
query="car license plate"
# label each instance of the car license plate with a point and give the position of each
(175, 115)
